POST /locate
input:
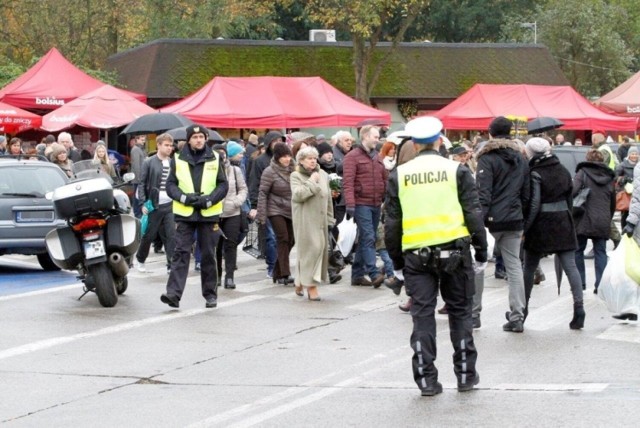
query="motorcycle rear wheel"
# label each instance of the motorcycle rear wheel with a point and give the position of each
(105, 287)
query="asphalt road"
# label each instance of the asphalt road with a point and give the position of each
(266, 357)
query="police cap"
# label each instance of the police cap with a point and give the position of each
(424, 129)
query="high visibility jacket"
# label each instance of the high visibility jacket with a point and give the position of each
(431, 211)
(185, 183)
(612, 159)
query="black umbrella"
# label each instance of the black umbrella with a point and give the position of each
(558, 268)
(180, 134)
(541, 124)
(155, 123)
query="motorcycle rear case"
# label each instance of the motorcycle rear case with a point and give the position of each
(83, 197)
(123, 234)
(64, 248)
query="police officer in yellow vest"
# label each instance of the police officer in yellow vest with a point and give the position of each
(197, 184)
(433, 216)
(599, 141)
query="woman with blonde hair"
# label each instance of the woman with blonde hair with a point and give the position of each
(312, 214)
(59, 157)
(101, 157)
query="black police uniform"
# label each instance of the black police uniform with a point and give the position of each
(206, 227)
(425, 271)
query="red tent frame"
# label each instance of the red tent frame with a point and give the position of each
(477, 107)
(273, 102)
(50, 83)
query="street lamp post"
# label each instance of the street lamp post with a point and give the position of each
(533, 25)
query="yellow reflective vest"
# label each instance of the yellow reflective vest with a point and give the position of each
(431, 211)
(185, 183)
(612, 160)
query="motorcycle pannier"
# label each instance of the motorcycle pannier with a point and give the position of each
(64, 248)
(83, 197)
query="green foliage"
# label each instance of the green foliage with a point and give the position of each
(9, 71)
(583, 37)
(109, 77)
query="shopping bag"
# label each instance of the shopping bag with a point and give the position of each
(617, 290)
(347, 231)
(623, 200)
(632, 259)
(491, 242)
(144, 220)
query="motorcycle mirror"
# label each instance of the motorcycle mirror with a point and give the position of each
(129, 176)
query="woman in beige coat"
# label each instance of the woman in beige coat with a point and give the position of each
(312, 212)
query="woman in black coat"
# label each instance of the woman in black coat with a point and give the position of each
(549, 225)
(595, 222)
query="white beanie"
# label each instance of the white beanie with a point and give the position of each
(537, 146)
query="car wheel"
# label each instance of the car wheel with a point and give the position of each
(46, 263)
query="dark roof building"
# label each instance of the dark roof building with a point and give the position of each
(434, 74)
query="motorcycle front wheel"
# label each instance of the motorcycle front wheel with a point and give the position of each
(105, 287)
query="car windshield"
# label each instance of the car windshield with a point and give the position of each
(87, 169)
(29, 181)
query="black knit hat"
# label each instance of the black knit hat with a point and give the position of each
(196, 129)
(281, 150)
(323, 148)
(271, 136)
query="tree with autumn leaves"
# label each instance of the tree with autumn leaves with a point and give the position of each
(596, 42)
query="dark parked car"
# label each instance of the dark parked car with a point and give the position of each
(26, 216)
(571, 156)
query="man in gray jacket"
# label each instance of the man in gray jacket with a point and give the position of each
(137, 157)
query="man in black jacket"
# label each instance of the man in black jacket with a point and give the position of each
(502, 179)
(153, 187)
(197, 184)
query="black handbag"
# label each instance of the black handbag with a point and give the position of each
(580, 201)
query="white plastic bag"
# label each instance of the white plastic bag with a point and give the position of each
(617, 290)
(491, 243)
(347, 231)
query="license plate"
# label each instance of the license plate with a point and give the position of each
(34, 216)
(93, 249)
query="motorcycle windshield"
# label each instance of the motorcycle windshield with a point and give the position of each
(86, 169)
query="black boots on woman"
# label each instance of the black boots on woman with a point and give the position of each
(578, 317)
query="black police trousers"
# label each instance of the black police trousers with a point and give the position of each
(208, 235)
(422, 278)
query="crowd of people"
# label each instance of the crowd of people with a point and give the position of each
(422, 205)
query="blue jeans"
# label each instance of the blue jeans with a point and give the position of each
(600, 257)
(364, 262)
(388, 264)
(270, 252)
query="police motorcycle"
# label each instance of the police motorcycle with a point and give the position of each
(101, 234)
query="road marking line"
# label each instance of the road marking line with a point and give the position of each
(39, 292)
(379, 360)
(581, 387)
(55, 341)
(623, 332)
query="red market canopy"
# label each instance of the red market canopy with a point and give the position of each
(104, 108)
(623, 100)
(273, 102)
(50, 83)
(14, 119)
(477, 107)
